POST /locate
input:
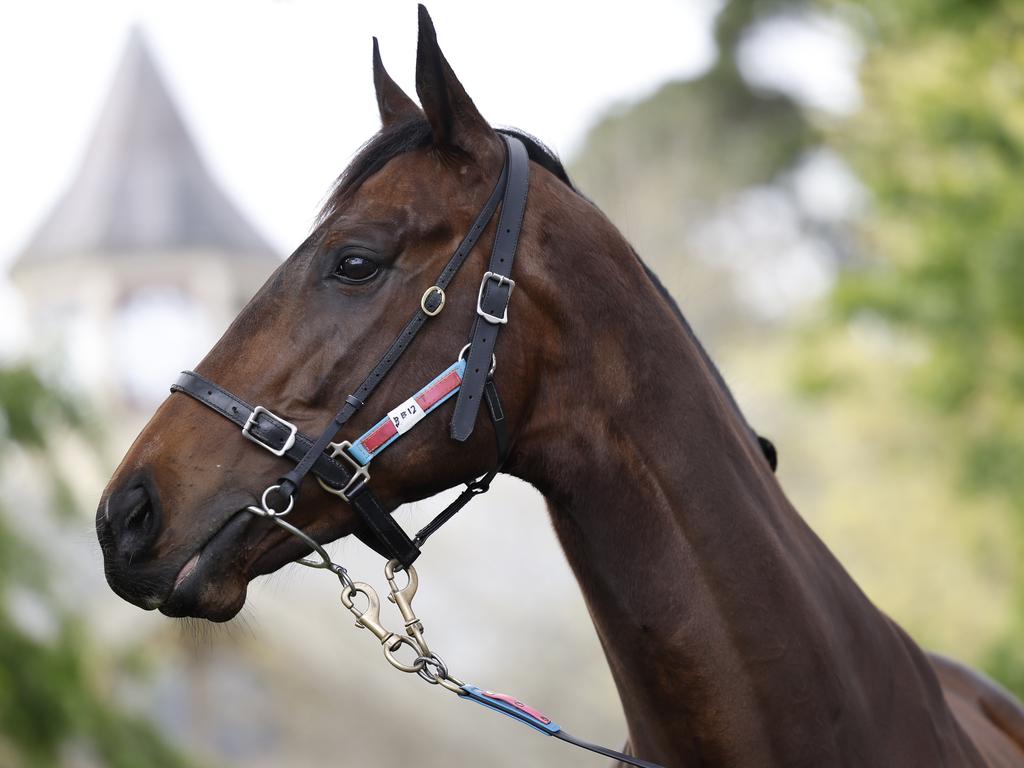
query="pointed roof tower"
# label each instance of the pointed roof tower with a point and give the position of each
(142, 185)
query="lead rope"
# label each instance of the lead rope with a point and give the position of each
(426, 664)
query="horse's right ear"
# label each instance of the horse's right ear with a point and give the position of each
(394, 106)
(453, 116)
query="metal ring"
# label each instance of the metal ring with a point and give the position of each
(325, 559)
(494, 359)
(389, 653)
(430, 664)
(426, 295)
(351, 590)
(342, 573)
(271, 512)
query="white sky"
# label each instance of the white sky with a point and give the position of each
(811, 56)
(279, 94)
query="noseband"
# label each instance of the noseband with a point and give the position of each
(342, 468)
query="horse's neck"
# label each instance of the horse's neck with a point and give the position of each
(733, 635)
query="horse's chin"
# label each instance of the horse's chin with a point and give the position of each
(212, 584)
(218, 599)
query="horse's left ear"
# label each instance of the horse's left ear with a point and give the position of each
(453, 116)
(394, 106)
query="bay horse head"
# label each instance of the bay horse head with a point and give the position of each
(173, 521)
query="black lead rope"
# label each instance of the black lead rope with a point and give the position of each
(620, 756)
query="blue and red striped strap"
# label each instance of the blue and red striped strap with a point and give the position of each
(407, 414)
(517, 710)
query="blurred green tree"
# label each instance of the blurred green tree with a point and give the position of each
(52, 708)
(940, 144)
(665, 167)
(915, 379)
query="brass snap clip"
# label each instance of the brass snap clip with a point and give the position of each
(369, 618)
(403, 599)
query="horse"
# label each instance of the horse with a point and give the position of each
(734, 637)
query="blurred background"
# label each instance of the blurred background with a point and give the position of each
(830, 189)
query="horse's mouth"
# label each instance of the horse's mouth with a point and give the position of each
(209, 585)
(212, 584)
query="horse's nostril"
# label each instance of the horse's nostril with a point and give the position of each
(133, 521)
(138, 516)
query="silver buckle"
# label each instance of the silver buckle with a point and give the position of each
(360, 473)
(288, 443)
(500, 280)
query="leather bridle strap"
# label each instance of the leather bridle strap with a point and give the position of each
(283, 439)
(310, 455)
(289, 483)
(495, 292)
(280, 437)
(482, 484)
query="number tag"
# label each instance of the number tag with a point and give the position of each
(406, 415)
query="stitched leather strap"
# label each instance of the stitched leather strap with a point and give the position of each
(482, 484)
(495, 291)
(613, 754)
(291, 480)
(408, 414)
(279, 436)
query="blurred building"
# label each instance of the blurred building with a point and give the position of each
(144, 261)
(136, 271)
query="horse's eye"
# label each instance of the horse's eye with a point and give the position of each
(356, 269)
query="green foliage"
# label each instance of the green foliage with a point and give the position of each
(50, 704)
(664, 167)
(902, 440)
(940, 144)
(29, 410)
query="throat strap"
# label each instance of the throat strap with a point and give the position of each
(406, 415)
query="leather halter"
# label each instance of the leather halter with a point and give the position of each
(341, 468)
(341, 473)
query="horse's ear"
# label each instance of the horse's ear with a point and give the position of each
(768, 449)
(453, 116)
(393, 104)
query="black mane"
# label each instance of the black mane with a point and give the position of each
(409, 136)
(542, 155)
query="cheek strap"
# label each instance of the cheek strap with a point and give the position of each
(411, 412)
(407, 414)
